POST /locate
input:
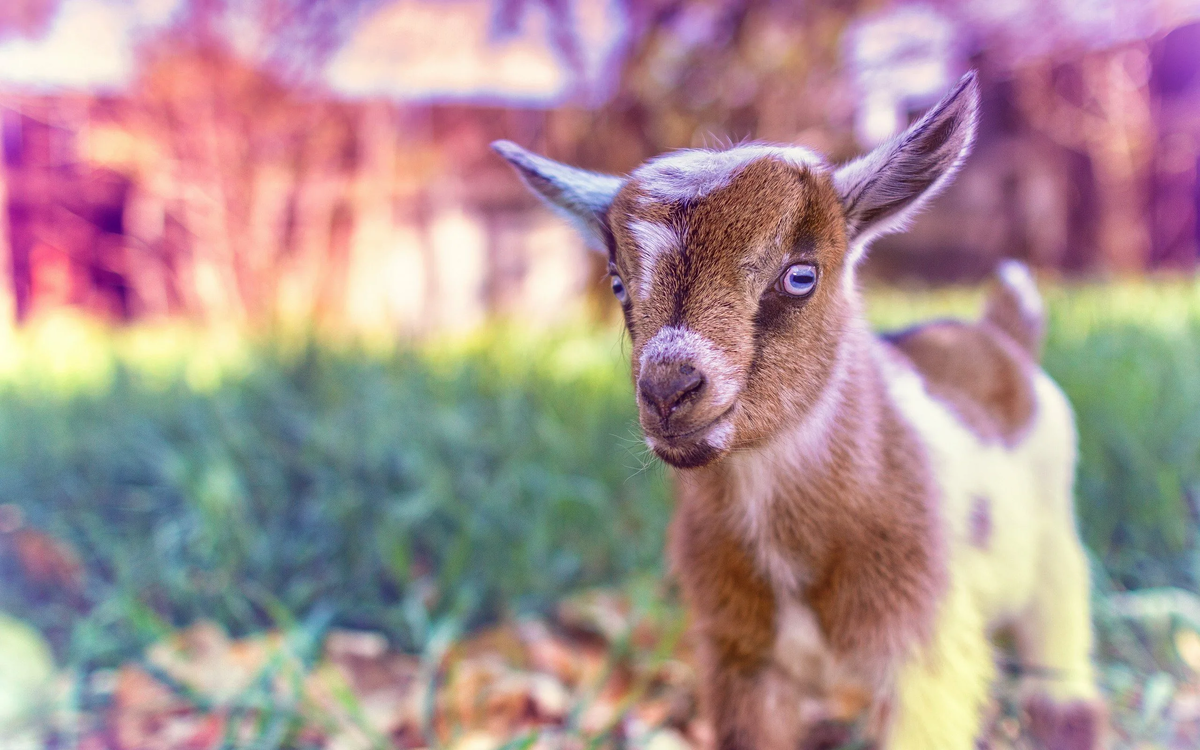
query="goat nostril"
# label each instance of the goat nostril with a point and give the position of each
(692, 382)
(665, 395)
(686, 369)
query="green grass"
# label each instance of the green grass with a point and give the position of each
(392, 488)
(401, 489)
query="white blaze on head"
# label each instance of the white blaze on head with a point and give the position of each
(653, 242)
(675, 344)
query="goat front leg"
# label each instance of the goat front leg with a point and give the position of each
(735, 706)
(733, 606)
(752, 702)
(735, 630)
(756, 705)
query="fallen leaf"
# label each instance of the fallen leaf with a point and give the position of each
(140, 708)
(571, 662)
(46, 561)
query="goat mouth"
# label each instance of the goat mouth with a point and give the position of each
(689, 455)
(691, 448)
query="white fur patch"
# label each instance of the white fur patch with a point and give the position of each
(653, 241)
(1015, 275)
(850, 271)
(812, 669)
(1027, 488)
(693, 173)
(674, 344)
(756, 472)
(800, 649)
(720, 435)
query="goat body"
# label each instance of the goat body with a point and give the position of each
(856, 514)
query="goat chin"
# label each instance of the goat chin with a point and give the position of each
(687, 456)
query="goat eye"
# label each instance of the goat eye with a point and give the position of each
(618, 288)
(799, 280)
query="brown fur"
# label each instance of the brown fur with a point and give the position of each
(737, 240)
(857, 525)
(810, 536)
(976, 370)
(862, 527)
(1004, 311)
(734, 610)
(735, 605)
(1072, 726)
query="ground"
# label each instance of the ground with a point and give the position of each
(222, 540)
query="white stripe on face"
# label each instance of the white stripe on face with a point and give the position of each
(653, 242)
(674, 344)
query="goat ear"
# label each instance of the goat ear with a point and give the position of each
(583, 197)
(882, 190)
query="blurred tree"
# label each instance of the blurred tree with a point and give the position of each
(564, 33)
(258, 176)
(290, 39)
(1098, 105)
(20, 18)
(298, 36)
(30, 18)
(257, 187)
(704, 73)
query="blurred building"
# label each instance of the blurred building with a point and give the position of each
(171, 198)
(207, 179)
(1175, 98)
(1068, 171)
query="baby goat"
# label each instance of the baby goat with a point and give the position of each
(856, 514)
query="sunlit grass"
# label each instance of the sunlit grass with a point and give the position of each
(419, 489)
(210, 473)
(1169, 305)
(891, 308)
(67, 352)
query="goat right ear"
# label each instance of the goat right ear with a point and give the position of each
(583, 197)
(883, 189)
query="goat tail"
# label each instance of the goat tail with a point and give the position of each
(1015, 307)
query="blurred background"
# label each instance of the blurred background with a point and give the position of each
(316, 430)
(252, 161)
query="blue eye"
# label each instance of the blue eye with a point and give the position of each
(618, 288)
(799, 280)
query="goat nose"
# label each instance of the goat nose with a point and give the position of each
(665, 388)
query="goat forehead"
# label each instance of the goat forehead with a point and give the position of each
(665, 247)
(694, 173)
(706, 260)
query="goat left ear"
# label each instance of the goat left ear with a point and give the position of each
(883, 189)
(583, 197)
